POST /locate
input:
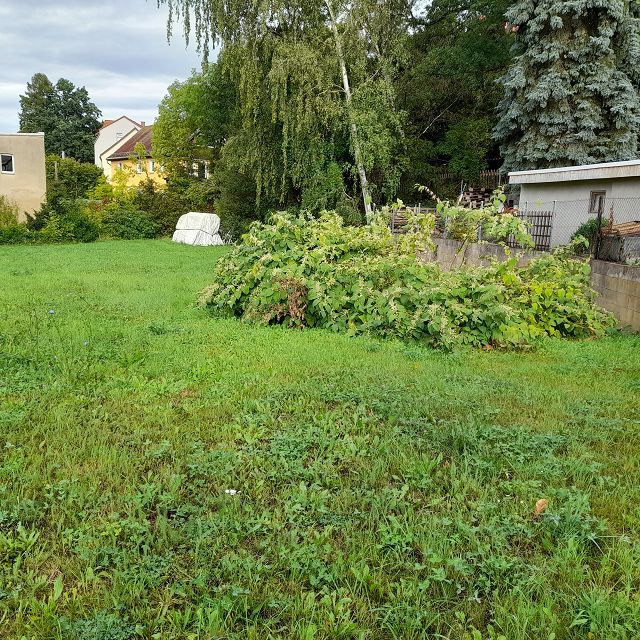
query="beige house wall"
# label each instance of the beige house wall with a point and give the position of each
(27, 185)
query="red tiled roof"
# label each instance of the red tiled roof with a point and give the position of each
(128, 148)
(106, 123)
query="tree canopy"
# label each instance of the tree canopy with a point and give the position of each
(571, 95)
(315, 89)
(64, 113)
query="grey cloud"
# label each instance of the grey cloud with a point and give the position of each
(118, 50)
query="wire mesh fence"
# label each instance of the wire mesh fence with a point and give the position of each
(612, 225)
(618, 220)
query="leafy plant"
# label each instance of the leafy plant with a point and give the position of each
(589, 230)
(8, 212)
(302, 271)
(128, 224)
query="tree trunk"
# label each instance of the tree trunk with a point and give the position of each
(364, 185)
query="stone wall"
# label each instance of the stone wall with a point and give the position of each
(618, 287)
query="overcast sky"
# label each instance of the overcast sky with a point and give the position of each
(117, 49)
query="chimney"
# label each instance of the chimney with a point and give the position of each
(142, 123)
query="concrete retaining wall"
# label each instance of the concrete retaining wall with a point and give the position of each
(475, 255)
(618, 285)
(618, 288)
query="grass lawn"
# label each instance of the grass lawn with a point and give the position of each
(164, 474)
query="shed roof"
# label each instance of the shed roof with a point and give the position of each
(603, 171)
(128, 148)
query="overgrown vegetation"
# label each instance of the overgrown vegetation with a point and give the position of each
(165, 475)
(310, 272)
(82, 207)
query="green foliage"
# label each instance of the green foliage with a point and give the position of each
(128, 224)
(571, 95)
(589, 230)
(69, 179)
(194, 120)
(489, 224)
(383, 490)
(310, 94)
(8, 212)
(162, 206)
(15, 234)
(64, 112)
(64, 220)
(456, 51)
(318, 273)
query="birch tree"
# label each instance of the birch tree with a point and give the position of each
(311, 76)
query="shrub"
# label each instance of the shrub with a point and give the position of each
(162, 206)
(319, 273)
(14, 234)
(69, 179)
(61, 220)
(589, 231)
(128, 224)
(8, 212)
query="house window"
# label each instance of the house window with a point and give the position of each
(7, 163)
(596, 204)
(152, 166)
(139, 167)
(119, 166)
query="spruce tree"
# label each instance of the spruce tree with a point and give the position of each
(571, 95)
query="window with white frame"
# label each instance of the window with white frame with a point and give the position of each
(8, 165)
(120, 165)
(139, 167)
(152, 166)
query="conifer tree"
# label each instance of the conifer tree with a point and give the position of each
(571, 95)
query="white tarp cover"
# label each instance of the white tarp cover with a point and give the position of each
(200, 229)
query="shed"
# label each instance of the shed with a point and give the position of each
(577, 194)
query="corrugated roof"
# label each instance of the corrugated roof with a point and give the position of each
(127, 149)
(601, 171)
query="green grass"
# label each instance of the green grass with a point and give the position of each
(384, 490)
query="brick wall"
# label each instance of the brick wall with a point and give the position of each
(618, 287)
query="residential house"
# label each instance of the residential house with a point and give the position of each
(112, 135)
(23, 178)
(136, 166)
(576, 194)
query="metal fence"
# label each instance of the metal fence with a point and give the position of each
(612, 225)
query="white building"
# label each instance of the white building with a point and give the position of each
(576, 194)
(113, 134)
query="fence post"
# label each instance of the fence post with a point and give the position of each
(596, 249)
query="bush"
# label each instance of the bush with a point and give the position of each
(8, 212)
(14, 234)
(63, 220)
(162, 206)
(319, 273)
(128, 225)
(589, 231)
(69, 179)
